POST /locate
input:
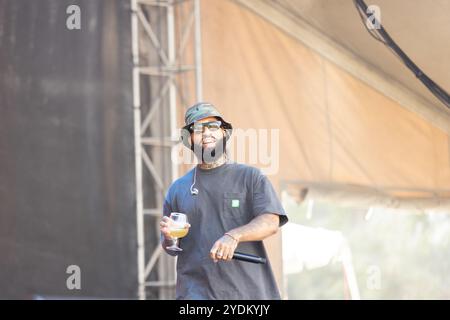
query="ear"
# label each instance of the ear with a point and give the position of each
(186, 138)
(226, 133)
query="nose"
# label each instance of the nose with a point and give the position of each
(206, 131)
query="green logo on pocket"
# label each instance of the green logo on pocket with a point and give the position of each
(235, 203)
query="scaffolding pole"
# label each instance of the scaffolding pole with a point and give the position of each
(155, 138)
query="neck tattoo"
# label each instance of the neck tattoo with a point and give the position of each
(215, 164)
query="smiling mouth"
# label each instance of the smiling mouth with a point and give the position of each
(208, 141)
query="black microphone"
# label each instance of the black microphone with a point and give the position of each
(249, 258)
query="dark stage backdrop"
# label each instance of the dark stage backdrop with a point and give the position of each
(67, 190)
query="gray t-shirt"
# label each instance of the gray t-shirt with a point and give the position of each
(229, 196)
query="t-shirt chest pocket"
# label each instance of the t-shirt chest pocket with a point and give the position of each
(235, 206)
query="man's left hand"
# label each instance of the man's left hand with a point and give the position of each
(223, 249)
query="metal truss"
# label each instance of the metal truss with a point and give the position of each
(159, 27)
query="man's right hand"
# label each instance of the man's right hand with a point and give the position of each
(164, 227)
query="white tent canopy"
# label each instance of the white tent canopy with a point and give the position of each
(310, 248)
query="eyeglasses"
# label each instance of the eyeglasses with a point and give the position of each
(212, 126)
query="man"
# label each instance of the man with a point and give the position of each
(229, 206)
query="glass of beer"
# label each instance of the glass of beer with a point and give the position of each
(177, 229)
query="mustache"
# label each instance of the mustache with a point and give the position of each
(212, 138)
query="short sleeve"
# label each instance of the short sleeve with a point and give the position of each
(265, 199)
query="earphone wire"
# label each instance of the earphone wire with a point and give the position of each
(193, 190)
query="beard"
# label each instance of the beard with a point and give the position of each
(210, 154)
